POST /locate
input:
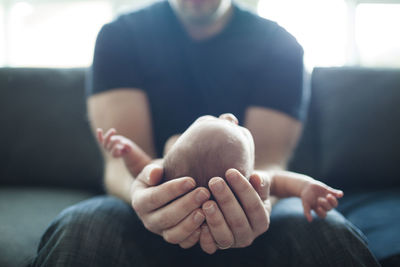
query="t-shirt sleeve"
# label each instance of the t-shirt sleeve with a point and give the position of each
(280, 82)
(115, 61)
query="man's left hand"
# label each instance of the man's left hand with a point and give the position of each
(240, 212)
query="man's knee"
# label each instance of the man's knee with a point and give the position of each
(93, 230)
(312, 242)
(93, 215)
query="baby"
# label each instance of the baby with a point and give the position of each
(207, 149)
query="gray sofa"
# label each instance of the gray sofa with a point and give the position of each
(49, 158)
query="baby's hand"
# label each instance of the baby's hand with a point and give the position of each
(119, 146)
(319, 197)
(116, 145)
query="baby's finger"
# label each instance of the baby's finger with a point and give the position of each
(322, 202)
(207, 242)
(114, 140)
(117, 150)
(307, 212)
(332, 200)
(107, 136)
(100, 137)
(320, 212)
(335, 192)
(191, 240)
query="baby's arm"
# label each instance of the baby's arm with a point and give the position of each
(315, 195)
(119, 146)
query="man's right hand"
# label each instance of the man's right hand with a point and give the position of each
(171, 209)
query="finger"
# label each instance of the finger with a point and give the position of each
(155, 197)
(151, 175)
(107, 136)
(180, 232)
(114, 140)
(337, 193)
(100, 135)
(232, 211)
(260, 184)
(117, 150)
(167, 216)
(307, 211)
(217, 225)
(207, 242)
(229, 117)
(320, 212)
(322, 202)
(251, 202)
(191, 240)
(332, 200)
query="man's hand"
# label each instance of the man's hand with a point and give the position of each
(169, 209)
(240, 212)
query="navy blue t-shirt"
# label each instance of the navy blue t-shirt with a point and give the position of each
(252, 62)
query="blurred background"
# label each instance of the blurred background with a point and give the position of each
(62, 33)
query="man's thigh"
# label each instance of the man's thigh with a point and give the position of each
(377, 214)
(292, 241)
(105, 231)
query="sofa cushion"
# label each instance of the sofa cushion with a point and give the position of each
(352, 138)
(25, 214)
(46, 139)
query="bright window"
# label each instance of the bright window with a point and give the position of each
(54, 34)
(378, 34)
(62, 33)
(2, 37)
(319, 26)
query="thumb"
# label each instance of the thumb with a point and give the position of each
(261, 184)
(156, 175)
(151, 175)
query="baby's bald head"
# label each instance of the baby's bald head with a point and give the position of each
(208, 148)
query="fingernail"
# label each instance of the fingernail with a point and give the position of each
(218, 186)
(187, 185)
(205, 229)
(209, 209)
(201, 196)
(232, 174)
(198, 217)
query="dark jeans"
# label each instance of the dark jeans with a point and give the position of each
(377, 214)
(104, 231)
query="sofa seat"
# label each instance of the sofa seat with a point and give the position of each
(25, 213)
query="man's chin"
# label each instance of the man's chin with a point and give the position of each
(200, 18)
